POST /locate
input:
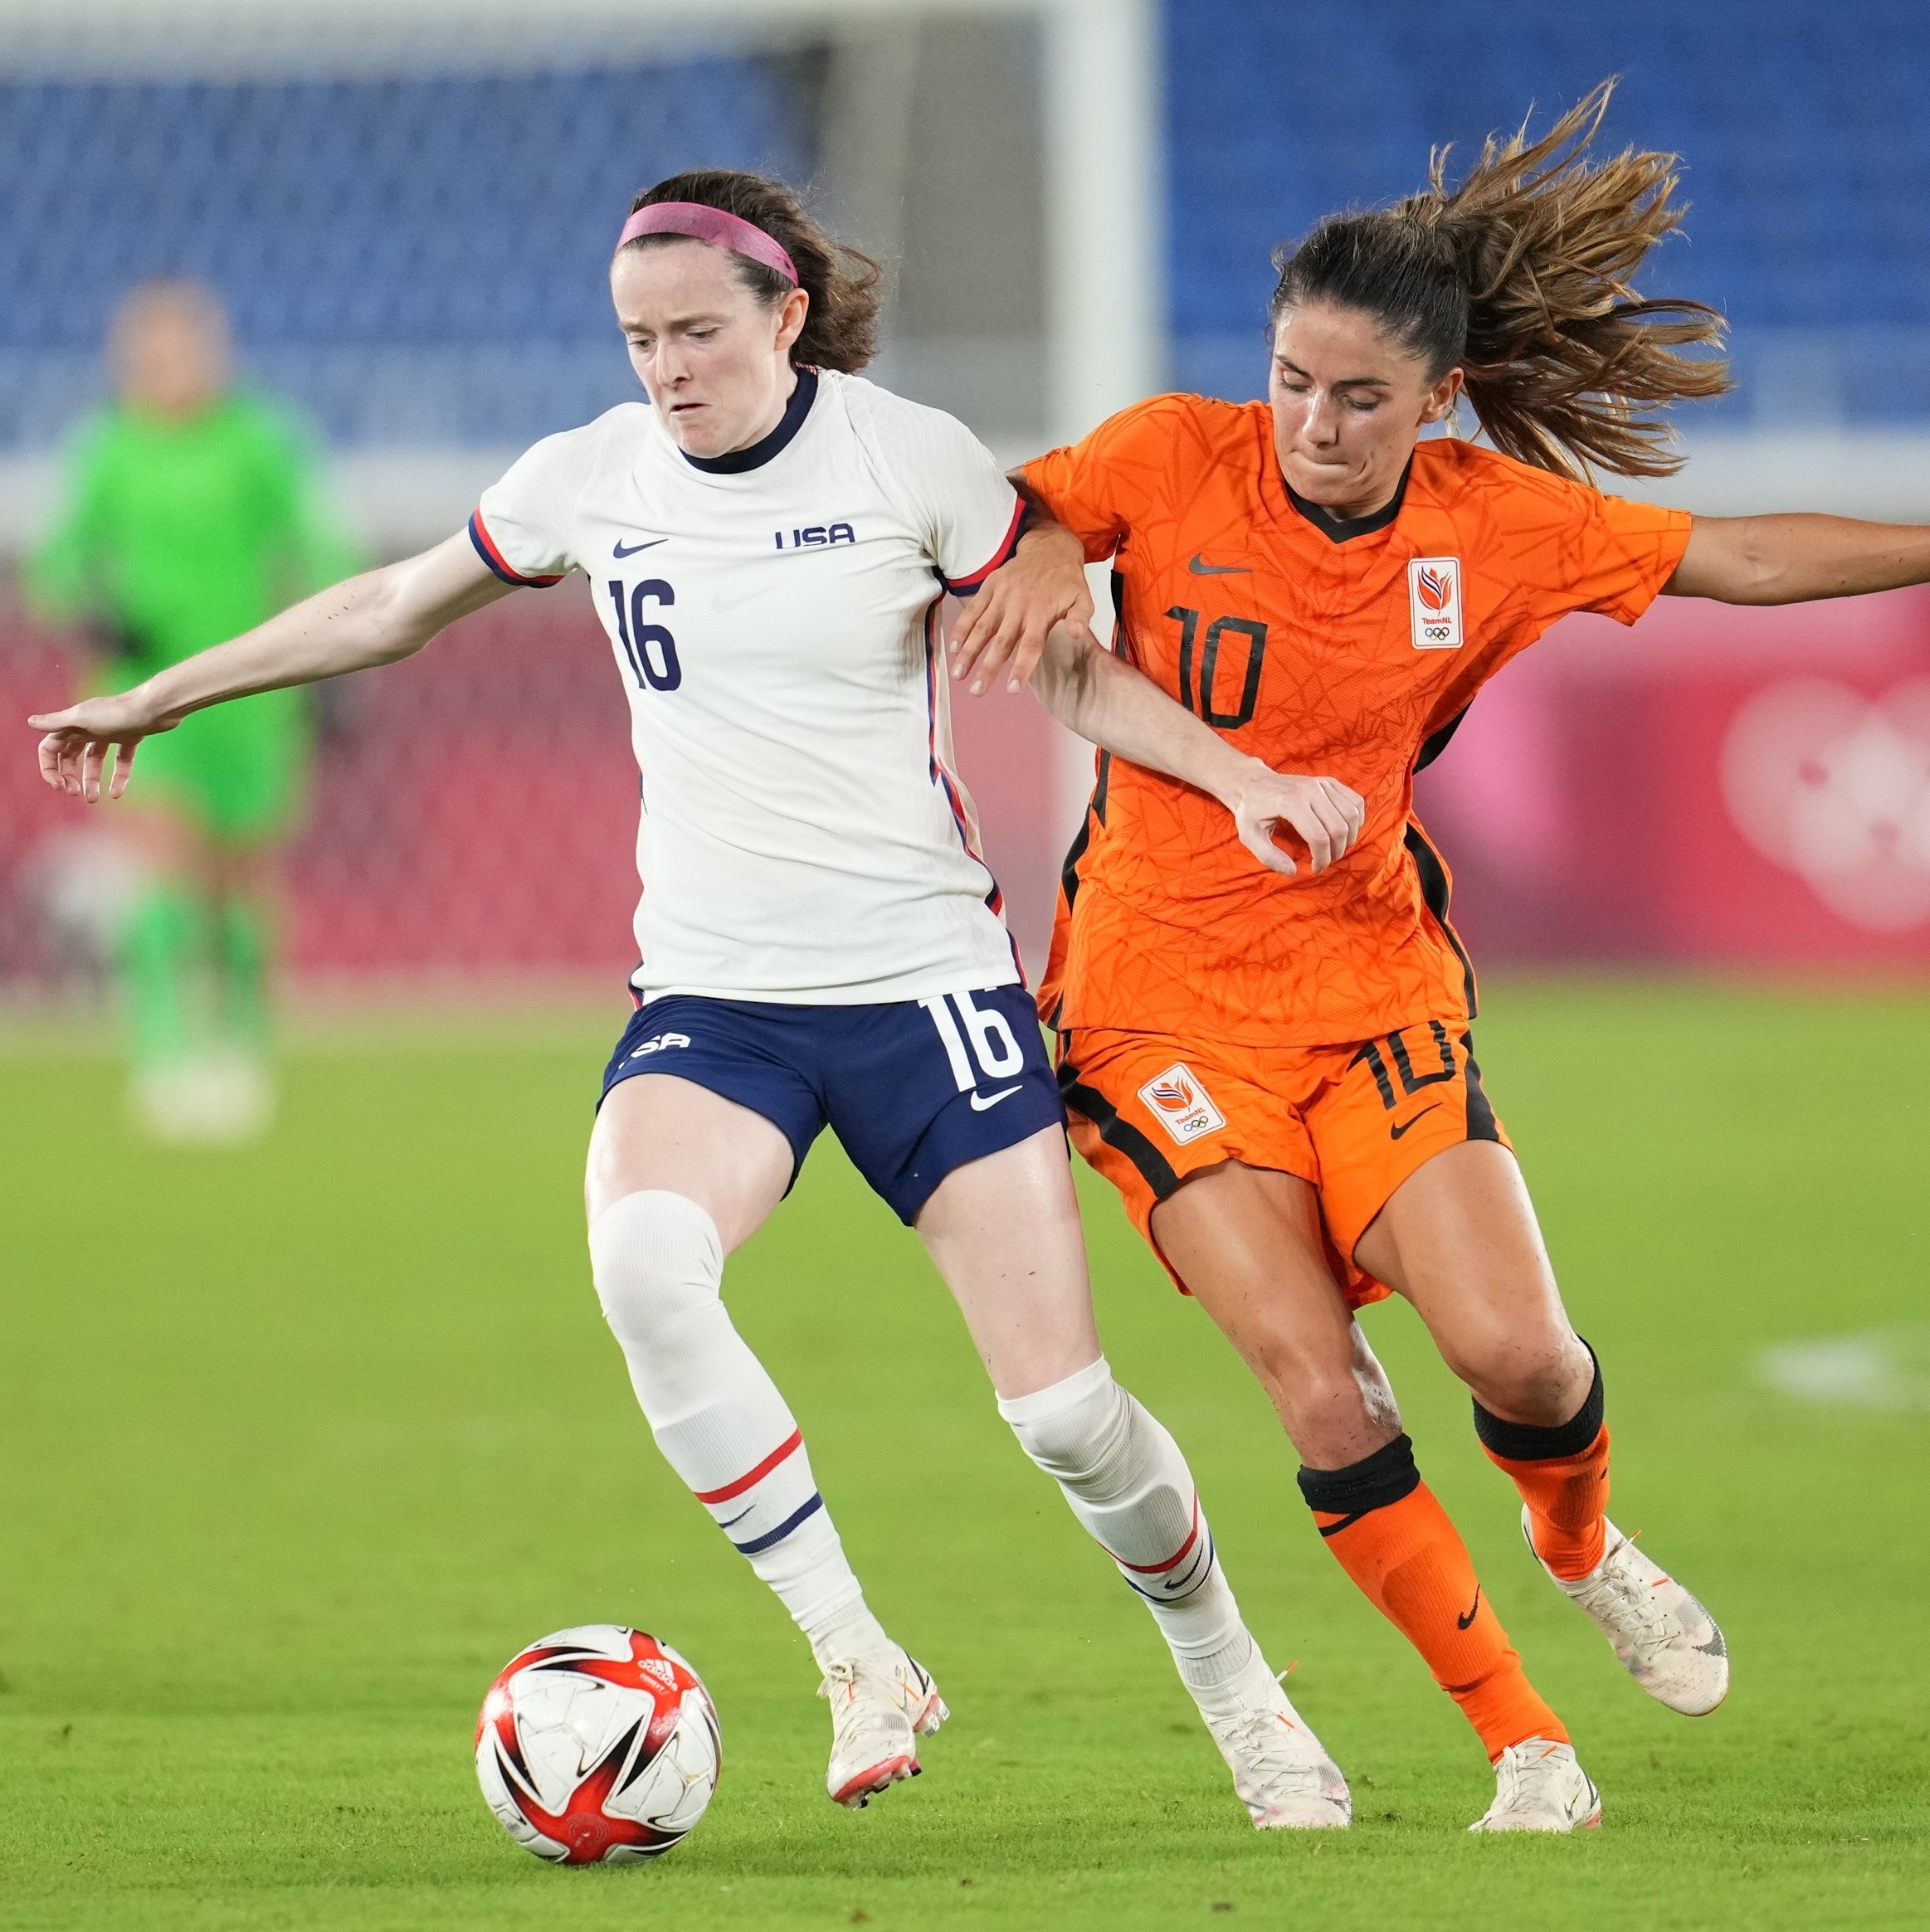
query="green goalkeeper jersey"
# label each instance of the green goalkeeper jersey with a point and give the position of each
(177, 535)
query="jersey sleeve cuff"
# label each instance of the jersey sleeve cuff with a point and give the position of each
(485, 548)
(964, 586)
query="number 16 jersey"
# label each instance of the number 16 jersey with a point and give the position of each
(774, 616)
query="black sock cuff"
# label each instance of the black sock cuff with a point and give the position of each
(1370, 1484)
(1522, 1442)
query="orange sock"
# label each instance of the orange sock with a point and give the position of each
(1562, 1475)
(1567, 1500)
(1395, 1541)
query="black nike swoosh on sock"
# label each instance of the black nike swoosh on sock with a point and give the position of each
(1473, 1611)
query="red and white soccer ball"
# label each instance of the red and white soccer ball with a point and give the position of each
(598, 1745)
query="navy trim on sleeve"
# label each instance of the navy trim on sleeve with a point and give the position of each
(485, 548)
(964, 586)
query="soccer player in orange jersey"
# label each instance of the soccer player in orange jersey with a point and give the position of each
(1273, 1061)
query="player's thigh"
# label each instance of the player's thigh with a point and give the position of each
(656, 1131)
(1004, 1232)
(1247, 1242)
(1459, 1239)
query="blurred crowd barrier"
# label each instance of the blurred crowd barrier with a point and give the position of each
(1716, 786)
(473, 817)
(1719, 786)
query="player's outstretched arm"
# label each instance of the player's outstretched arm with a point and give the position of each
(1793, 559)
(1090, 691)
(375, 618)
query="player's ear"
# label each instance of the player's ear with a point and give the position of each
(797, 306)
(1441, 397)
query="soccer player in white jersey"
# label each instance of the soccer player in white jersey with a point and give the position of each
(770, 540)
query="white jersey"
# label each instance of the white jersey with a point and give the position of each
(774, 616)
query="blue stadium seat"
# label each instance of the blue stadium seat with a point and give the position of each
(1803, 127)
(449, 220)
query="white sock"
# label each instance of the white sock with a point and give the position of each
(717, 1415)
(1129, 1484)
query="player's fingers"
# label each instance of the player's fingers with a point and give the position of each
(1026, 655)
(53, 761)
(1339, 833)
(1351, 806)
(124, 767)
(967, 622)
(1256, 834)
(91, 761)
(996, 654)
(1301, 815)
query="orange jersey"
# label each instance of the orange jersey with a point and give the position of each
(1337, 649)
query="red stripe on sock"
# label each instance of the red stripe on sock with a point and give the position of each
(1171, 1563)
(795, 1441)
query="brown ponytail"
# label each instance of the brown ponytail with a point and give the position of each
(1520, 276)
(840, 329)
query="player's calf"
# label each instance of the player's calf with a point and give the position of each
(1127, 1481)
(726, 1430)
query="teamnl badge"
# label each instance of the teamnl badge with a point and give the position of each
(1433, 602)
(1179, 1103)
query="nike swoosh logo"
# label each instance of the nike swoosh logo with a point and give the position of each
(1394, 1134)
(742, 1513)
(622, 549)
(1200, 568)
(980, 1103)
(1474, 1610)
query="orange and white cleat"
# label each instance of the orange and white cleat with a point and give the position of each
(1663, 1639)
(880, 1708)
(1540, 1787)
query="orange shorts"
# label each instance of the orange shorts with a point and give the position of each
(1150, 1111)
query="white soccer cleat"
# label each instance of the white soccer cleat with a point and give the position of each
(1283, 1776)
(1664, 1638)
(214, 1100)
(1539, 1787)
(880, 1709)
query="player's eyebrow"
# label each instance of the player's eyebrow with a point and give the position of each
(692, 320)
(1345, 382)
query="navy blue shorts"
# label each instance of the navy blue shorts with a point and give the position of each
(912, 1088)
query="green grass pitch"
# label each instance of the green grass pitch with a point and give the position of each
(298, 1445)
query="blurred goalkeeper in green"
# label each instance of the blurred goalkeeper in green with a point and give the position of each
(189, 517)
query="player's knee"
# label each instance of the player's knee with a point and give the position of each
(657, 1261)
(1308, 1377)
(1076, 1428)
(1534, 1378)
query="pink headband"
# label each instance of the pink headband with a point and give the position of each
(714, 227)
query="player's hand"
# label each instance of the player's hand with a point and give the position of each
(1326, 813)
(74, 754)
(1003, 629)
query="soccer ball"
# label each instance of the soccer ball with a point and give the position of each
(597, 1745)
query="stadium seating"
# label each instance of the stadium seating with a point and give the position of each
(417, 259)
(1802, 126)
(411, 260)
